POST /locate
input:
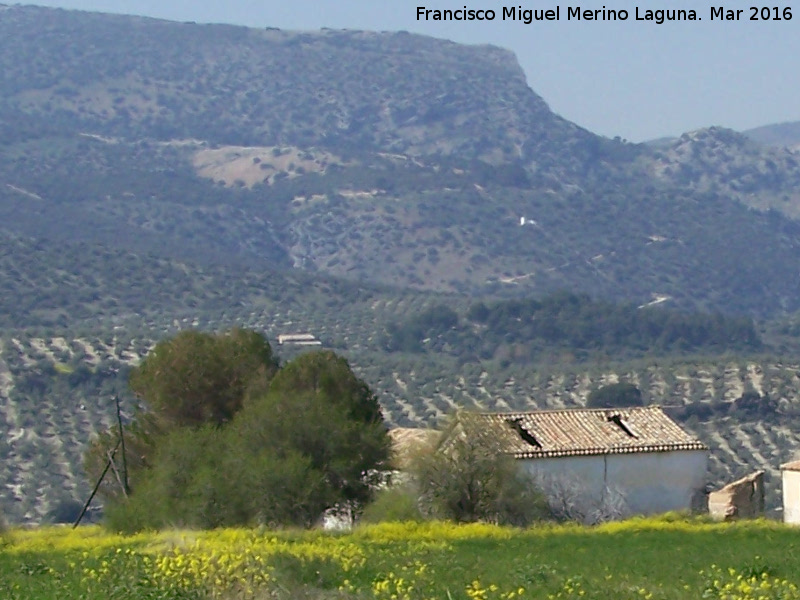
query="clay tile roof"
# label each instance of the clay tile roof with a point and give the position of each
(583, 432)
(791, 466)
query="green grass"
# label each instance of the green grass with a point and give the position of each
(666, 558)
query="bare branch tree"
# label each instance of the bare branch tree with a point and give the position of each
(572, 500)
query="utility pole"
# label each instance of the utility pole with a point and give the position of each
(122, 478)
(97, 485)
(125, 487)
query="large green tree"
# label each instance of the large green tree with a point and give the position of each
(317, 408)
(197, 378)
(277, 452)
(190, 380)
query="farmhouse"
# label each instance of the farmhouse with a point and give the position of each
(640, 454)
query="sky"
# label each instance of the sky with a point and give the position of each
(635, 79)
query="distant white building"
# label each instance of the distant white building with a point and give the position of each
(299, 339)
(639, 453)
(790, 476)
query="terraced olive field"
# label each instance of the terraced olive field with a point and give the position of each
(56, 393)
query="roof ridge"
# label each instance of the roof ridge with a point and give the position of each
(658, 407)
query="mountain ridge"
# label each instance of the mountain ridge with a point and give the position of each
(785, 134)
(380, 157)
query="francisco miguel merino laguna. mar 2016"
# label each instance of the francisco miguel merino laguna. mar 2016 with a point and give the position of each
(576, 13)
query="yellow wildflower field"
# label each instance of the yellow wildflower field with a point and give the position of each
(660, 559)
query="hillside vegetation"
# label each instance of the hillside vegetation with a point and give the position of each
(58, 394)
(77, 316)
(522, 331)
(381, 157)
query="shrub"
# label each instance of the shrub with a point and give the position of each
(752, 404)
(65, 510)
(615, 395)
(396, 503)
(4, 533)
(468, 478)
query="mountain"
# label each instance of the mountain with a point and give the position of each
(731, 164)
(380, 157)
(780, 134)
(358, 92)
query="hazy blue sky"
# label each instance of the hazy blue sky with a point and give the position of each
(638, 80)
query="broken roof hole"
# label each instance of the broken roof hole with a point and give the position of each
(523, 433)
(622, 424)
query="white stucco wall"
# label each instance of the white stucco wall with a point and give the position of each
(791, 496)
(652, 482)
